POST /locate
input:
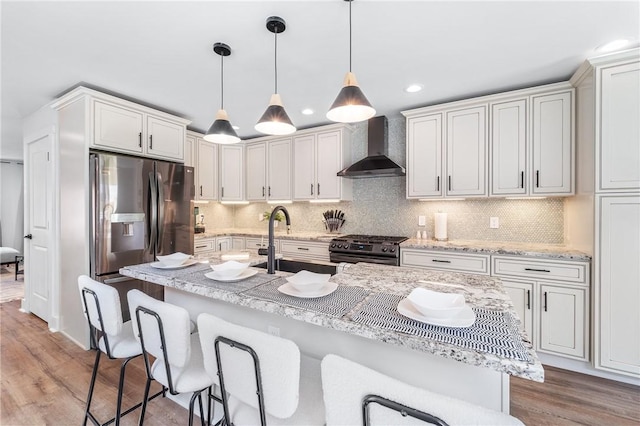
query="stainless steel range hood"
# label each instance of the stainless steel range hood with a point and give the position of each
(376, 164)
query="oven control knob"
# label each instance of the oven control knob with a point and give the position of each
(392, 250)
(384, 249)
(333, 245)
(339, 245)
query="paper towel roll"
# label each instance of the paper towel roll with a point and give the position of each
(441, 226)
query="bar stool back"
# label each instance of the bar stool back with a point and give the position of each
(164, 331)
(108, 334)
(354, 394)
(260, 375)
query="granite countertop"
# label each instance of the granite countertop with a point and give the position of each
(546, 251)
(480, 292)
(279, 234)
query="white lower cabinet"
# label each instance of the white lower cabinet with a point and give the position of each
(552, 300)
(223, 243)
(237, 243)
(445, 261)
(305, 250)
(261, 242)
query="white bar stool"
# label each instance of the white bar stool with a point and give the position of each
(354, 394)
(108, 334)
(260, 376)
(164, 331)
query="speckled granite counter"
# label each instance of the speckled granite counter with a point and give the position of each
(546, 251)
(480, 292)
(256, 233)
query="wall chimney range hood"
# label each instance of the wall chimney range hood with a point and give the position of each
(376, 164)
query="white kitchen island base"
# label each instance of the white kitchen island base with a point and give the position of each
(478, 385)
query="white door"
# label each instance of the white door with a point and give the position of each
(508, 148)
(165, 139)
(328, 164)
(38, 253)
(466, 152)
(279, 187)
(231, 173)
(304, 168)
(256, 171)
(562, 321)
(424, 157)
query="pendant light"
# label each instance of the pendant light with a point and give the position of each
(275, 120)
(221, 130)
(351, 105)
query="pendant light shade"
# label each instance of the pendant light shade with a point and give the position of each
(221, 131)
(351, 105)
(275, 120)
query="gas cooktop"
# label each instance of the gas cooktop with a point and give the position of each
(371, 239)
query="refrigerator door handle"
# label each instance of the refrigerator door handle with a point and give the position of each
(161, 224)
(153, 212)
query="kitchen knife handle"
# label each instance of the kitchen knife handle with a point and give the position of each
(263, 191)
(140, 139)
(529, 299)
(545, 301)
(521, 179)
(311, 189)
(438, 184)
(150, 141)
(449, 185)
(537, 178)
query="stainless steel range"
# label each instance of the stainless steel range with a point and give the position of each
(366, 248)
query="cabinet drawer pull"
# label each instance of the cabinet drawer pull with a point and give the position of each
(536, 270)
(537, 178)
(529, 299)
(521, 179)
(440, 261)
(311, 189)
(201, 246)
(545, 301)
(303, 248)
(258, 245)
(150, 141)
(140, 139)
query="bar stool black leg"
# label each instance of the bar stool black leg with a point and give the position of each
(120, 390)
(94, 374)
(144, 401)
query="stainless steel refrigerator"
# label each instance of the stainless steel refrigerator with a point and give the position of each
(140, 208)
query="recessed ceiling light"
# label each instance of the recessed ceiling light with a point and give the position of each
(413, 88)
(613, 45)
(235, 127)
(307, 111)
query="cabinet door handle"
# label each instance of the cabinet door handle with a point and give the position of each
(219, 246)
(150, 141)
(269, 190)
(222, 190)
(140, 139)
(521, 179)
(440, 261)
(529, 299)
(318, 189)
(311, 189)
(263, 191)
(536, 270)
(201, 190)
(537, 178)
(449, 182)
(438, 184)
(545, 301)
(199, 247)
(303, 248)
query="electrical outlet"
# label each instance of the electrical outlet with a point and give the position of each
(494, 223)
(274, 331)
(422, 221)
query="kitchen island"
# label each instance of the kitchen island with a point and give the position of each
(359, 321)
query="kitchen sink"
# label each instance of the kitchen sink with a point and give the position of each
(297, 266)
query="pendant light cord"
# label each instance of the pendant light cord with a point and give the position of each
(275, 60)
(350, 1)
(221, 81)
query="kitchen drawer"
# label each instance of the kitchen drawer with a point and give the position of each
(305, 250)
(256, 243)
(469, 263)
(208, 244)
(550, 270)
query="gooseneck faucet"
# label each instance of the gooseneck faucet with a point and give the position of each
(271, 249)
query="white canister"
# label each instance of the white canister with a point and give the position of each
(440, 233)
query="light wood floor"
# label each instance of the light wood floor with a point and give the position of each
(44, 378)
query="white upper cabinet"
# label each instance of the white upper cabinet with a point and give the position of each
(279, 169)
(231, 172)
(498, 145)
(207, 171)
(256, 171)
(424, 156)
(466, 152)
(317, 158)
(619, 142)
(123, 126)
(552, 144)
(509, 147)
(190, 150)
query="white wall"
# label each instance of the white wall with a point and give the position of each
(12, 204)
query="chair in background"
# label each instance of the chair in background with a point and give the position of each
(108, 334)
(164, 331)
(354, 394)
(263, 378)
(11, 256)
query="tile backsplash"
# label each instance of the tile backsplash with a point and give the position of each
(380, 207)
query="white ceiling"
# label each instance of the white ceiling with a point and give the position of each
(160, 53)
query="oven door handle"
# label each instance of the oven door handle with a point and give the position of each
(340, 257)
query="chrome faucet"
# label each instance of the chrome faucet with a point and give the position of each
(271, 249)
